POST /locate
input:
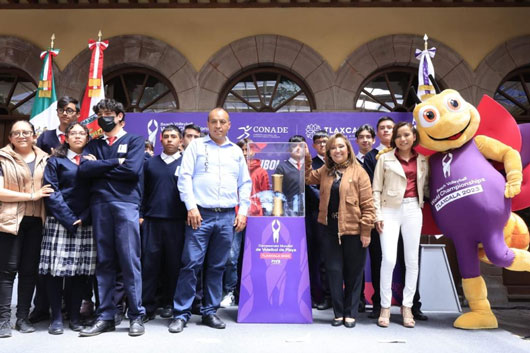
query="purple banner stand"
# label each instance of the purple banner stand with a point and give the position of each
(275, 277)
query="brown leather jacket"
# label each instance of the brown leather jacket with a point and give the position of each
(17, 177)
(356, 205)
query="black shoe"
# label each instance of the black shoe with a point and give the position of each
(374, 314)
(213, 321)
(148, 317)
(176, 325)
(362, 307)
(196, 308)
(419, 315)
(337, 322)
(136, 327)
(56, 328)
(349, 324)
(38, 316)
(326, 304)
(118, 318)
(99, 326)
(75, 325)
(167, 312)
(24, 326)
(5, 329)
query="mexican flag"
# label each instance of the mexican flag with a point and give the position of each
(43, 113)
(94, 91)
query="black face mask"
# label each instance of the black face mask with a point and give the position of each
(106, 123)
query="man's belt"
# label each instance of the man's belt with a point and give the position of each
(216, 209)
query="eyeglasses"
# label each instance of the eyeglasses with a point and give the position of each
(68, 111)
(321, 142)
(77, 133)
(23, 133)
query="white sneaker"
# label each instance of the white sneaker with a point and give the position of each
(227, 301)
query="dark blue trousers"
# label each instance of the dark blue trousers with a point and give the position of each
(117, 234)
(162, 242)
(209, 245)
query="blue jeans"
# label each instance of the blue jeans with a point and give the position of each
(230, 275)
(209, 244)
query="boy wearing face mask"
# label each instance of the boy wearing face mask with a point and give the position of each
(114, 164)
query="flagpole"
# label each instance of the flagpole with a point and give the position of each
(53, 39)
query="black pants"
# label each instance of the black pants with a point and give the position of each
(19, 253)
(344, 267)
(162, 243)
(375, 269)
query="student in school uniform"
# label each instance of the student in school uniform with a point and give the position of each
(163, 224)
(114, 163)
(67, 249)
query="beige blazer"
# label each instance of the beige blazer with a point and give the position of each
(390, 182)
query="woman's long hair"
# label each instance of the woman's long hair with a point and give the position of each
(62, 150)
(330, 164)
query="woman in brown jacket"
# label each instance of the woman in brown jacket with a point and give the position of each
(347, 210)
(21, 217)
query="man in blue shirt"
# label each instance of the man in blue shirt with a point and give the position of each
(114, 164)
(213, 180)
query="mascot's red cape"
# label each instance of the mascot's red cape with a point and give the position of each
(479, 173)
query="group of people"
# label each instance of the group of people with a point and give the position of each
(103, 214)
(366, 201)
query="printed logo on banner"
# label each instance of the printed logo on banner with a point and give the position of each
(245, 133)
(152, 130)
(263, 132)
(348, 131)
(311, 129)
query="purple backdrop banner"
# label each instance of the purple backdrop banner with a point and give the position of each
(262, 127)
(275, 277)
(275, 281)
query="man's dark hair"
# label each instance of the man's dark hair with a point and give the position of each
(365, 127)
(65, 100)
(383, 118)
(149, 145)
(172, 127)
(243, 142)
(320, 134)
(297, 138)
(110, 105)
(193, 127)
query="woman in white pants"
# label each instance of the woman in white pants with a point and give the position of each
(400, 182)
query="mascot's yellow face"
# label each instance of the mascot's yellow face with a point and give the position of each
(446, 121)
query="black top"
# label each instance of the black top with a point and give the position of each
(333, 206)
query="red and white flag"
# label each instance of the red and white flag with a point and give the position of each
(95, 90)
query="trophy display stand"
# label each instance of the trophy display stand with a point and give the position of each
(275, 276)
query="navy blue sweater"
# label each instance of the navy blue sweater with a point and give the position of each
(161, 196)
(48, 140)
(112, 181)
(369, 163)
(70, 200)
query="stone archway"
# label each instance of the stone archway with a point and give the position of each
(398, 50)
(137, 50)
(266, 50)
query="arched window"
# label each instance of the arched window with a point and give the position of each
(17, 93)
(141, 90)
(514, 94)
(389, 90)
(266, 89)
